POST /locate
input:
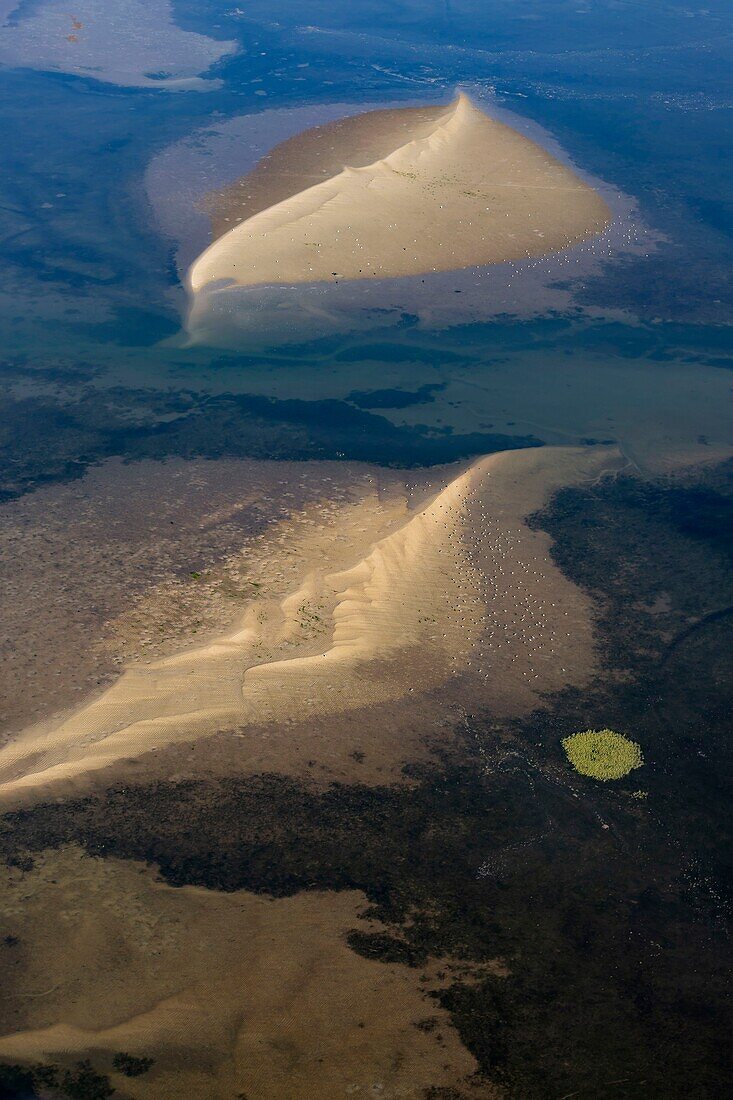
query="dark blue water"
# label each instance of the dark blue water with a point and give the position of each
(638, 95)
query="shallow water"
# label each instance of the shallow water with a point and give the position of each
(435, 905)
(101, 218)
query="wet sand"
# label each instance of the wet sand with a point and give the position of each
(52, 38)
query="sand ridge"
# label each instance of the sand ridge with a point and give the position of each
(267, 670)
(148, 558)
(463, 191)
(461, 593)
(313, 155)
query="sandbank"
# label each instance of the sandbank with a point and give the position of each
(216, 179)
(138, 560)
(450, 604)
(149, 49)
(463, 190)
(231, 994)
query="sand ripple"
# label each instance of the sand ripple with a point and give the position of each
(462, 592)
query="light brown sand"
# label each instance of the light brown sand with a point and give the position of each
(445, 190)
(458, 594)
(232, 994)
(96, 573)
(312, 156)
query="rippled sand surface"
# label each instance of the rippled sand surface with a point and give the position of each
(458, 591)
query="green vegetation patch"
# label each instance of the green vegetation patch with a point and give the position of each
(602, 754)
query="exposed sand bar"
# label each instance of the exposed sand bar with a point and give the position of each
(449, 189)
(462, 592)
(139, 560)
(216, 180)
(315, 155)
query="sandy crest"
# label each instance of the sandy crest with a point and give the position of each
(462, 593)
(464, 191)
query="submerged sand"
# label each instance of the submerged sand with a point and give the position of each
(231, 994)
(149, 49)
(433, 189)
(446, 605)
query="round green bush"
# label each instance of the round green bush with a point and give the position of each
(602, 754)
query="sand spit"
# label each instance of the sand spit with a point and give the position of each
(463, 191)
(232, 994)
(460, 601)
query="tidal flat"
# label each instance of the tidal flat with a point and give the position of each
(465, 863)
(365, 682)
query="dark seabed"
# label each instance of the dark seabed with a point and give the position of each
(412, 894)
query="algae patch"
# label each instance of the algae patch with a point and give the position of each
(602, 754)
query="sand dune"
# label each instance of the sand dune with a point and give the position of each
(462, 191)
(463, 590)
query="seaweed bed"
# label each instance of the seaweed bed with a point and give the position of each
(607, 902)
(42, 440)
